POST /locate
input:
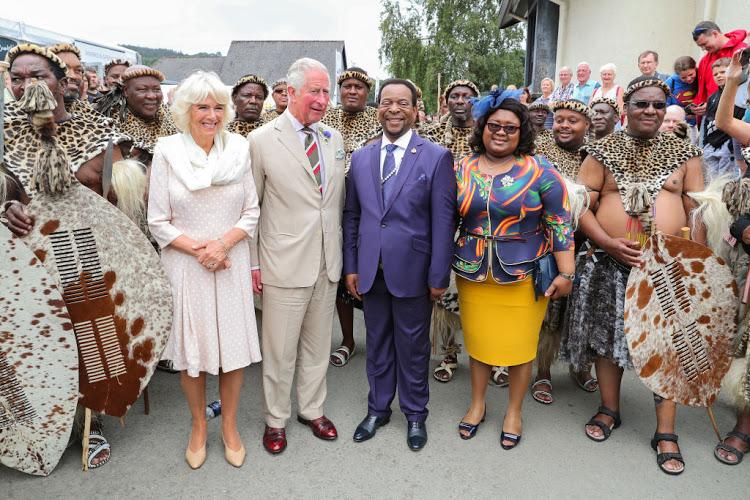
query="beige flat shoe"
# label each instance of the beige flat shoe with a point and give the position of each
(195, 458)
(235, 458)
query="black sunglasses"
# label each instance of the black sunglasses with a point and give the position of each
(508, 129)
(646, 104)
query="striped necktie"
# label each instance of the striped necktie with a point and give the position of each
(311, 149)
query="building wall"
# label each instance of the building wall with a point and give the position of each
(616, 31)
(732, 14)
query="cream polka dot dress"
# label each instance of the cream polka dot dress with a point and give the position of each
(214, 319)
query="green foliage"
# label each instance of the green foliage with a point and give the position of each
(150, 55)
(456, 39)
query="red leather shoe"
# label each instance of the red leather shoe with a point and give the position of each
(322, 428)
(274, 440)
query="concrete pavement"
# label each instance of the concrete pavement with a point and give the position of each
(554, 459)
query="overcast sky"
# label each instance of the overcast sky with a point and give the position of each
(209, 26)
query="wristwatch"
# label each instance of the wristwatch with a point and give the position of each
(569, 277)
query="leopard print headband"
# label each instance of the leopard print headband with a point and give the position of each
(64, 47)
(573, 105)
(642, 84)
(251, 79)
(30, 48)
(115, 62)
(139, 70)
(359, 75)
(539, 105)
(461, 83)
(605, 100)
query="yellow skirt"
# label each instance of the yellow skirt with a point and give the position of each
(500, 322)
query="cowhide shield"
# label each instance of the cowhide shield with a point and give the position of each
(38, 363)
(680, 313)
(115, 290)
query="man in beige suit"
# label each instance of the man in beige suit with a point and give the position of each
(298, 165)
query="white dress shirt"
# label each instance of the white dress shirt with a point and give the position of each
(298, 126)
(398, 153)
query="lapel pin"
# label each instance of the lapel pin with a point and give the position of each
(414, 150)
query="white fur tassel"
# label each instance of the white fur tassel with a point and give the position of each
(129, 183)
(579, 201)
(733, 384)
(713, 214)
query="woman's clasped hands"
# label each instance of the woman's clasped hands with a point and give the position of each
(213, 255)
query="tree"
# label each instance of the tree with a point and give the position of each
(150, 55)
(455, 39)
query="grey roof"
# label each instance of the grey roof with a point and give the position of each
(267, 58)
(177, 68)
(272, 58)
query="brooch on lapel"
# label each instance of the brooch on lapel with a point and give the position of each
(507, 181)
(326, 134)
(413, 151)
(339, 154)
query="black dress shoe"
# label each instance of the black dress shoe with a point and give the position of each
(367, 428)
(416, 436)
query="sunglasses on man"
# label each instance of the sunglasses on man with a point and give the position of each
(646, 104)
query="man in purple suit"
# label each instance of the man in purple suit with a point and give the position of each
(399, 222)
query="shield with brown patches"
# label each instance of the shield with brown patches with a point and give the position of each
(114, 288)
(38, 363)
(680, 311)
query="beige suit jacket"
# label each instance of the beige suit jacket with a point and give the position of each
(296, 224)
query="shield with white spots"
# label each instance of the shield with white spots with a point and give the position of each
(115, 290)
(680, 314)
(38, 362)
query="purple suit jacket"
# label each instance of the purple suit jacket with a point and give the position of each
(413, 234)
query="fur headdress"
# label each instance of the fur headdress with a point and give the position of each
(251, 79)
(280, 81)
(356, 73)
(30, 48)
(573, 105)
(461, 83)
(642, 83)
(539, 105)
(608, 101)
(64, 47)
(140, 70)
(115, 62)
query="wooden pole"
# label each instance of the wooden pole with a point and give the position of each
(146, 405)
(713, 422)
(685, 233)
(437, 94)
(85, 443)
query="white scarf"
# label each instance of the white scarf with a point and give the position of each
(226, 162)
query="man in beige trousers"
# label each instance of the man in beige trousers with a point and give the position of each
(298, 166)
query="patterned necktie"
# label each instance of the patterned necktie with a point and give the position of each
(311, 149)
(389, 171)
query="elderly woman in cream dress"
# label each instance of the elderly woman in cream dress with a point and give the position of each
(202, 207)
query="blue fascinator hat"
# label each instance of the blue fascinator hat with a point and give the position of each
(480, 107)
